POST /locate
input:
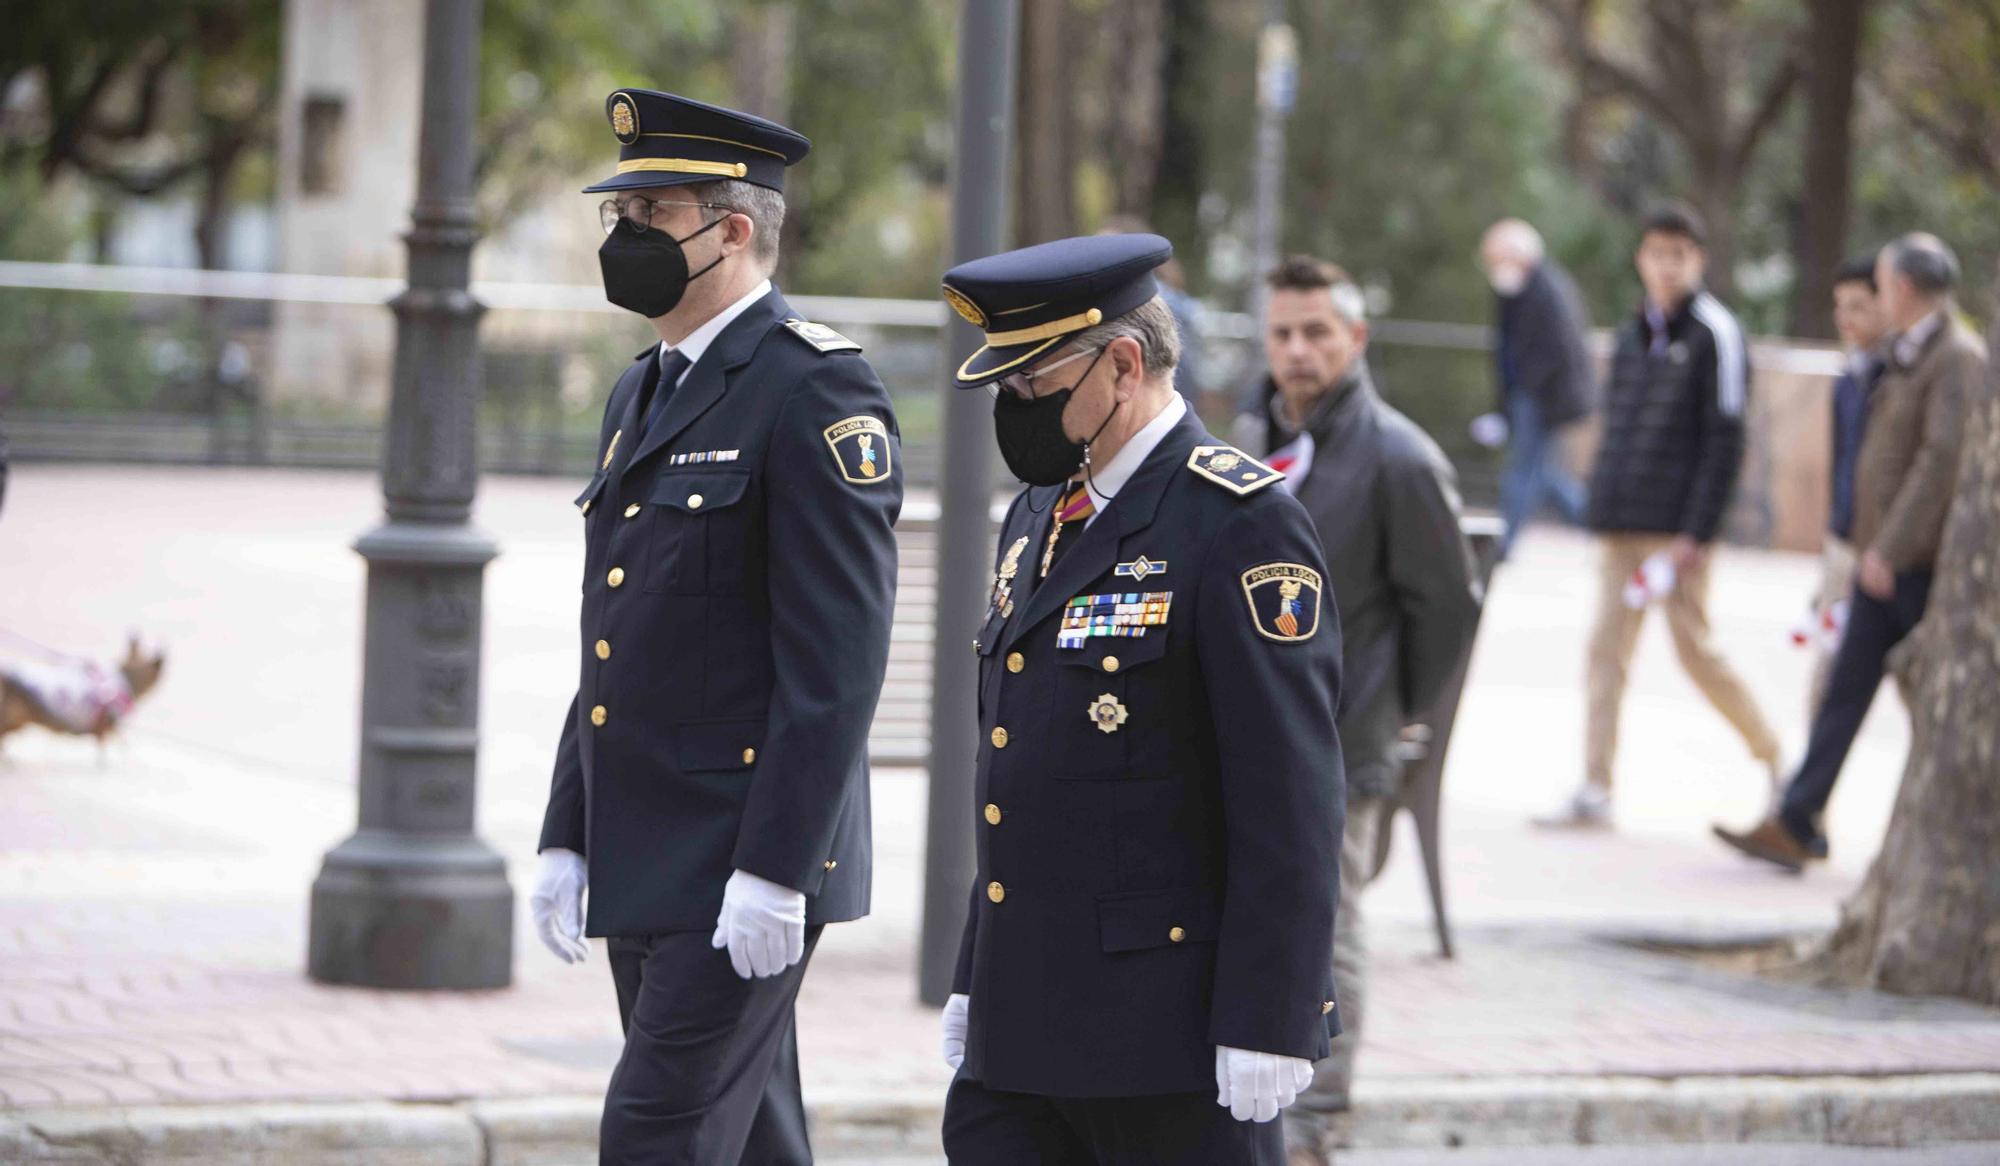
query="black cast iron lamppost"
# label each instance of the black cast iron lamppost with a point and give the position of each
(413, 899)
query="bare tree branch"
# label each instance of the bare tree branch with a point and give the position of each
(1770, 107)
(1597, 69)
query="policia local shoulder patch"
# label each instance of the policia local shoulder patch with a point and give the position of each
(1284, 601)
(860, 448)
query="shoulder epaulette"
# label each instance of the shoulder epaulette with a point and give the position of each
(1232, 469)
(821, 337)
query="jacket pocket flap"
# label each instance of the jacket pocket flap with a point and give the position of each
(701, 493)
(730, 744)
(1133, 920)
(590, 492)
(1117, 653)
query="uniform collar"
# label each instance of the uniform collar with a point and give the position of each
(698, 341)
(1105, 484)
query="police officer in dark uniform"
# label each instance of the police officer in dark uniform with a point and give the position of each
(711, 783)
(1143, 975)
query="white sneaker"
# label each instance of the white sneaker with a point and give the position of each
(1589, 808)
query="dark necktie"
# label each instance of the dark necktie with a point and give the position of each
(671, 367)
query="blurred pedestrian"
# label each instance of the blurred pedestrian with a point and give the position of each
(1542, 363)
(1385, 503)
(1186, 309)
(1857, 316)
(1903, 484)
(1671, 449)
(711, 780)
(1142, 977)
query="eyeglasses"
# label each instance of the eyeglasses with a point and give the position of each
(638, 211)
(1022, 384)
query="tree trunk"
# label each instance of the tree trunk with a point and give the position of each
(1138, 117)
(1714, 195)
(1179, 162)
(1832, 58)
(1926, 920)
(760, 58)
(1044, 125)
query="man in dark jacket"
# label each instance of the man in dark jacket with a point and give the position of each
(1542, 363)
(1857, 316)
(1672, 446)
(1385, 503)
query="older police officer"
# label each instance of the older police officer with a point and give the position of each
(711, 783)
(1143, 975)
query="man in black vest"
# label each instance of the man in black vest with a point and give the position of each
(1143, 975)
(711, 782)
(1672, 445)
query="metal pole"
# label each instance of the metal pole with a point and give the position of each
(988, 32)
(414, 899)
(1277, 89)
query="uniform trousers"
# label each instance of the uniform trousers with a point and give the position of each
(710, 1071)
(989, 1127)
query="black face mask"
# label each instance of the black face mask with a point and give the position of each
(647, 271)
(1031, 438)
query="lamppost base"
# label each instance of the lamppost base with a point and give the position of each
(404, 911)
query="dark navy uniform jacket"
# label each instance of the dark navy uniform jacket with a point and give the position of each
(739, 578)
(1158, 815)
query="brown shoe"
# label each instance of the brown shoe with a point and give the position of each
(1769, 841)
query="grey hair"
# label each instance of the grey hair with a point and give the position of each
(1152, 325)
(1926, 261)
(1517, 239)
(761, 205)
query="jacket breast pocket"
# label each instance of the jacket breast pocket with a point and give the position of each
(1112, 708)
(700, 533)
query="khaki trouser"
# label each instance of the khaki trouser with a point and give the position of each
(1836, 582)
(1308, 1121)
(1617, 633)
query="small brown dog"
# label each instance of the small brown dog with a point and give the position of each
(77, 698)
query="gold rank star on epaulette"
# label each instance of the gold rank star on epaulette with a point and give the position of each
(1232, 469)
(821, 337)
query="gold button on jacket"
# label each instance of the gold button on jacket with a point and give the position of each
(1176, 934)
(996, 892)
(749, 757)
(999, 737)
(616, 577)
(1111, 663)
(604, 649)
(632, 511)
(992, 814)
(1016, 661)
(598, 715)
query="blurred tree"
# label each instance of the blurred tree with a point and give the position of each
(1834, 33)
(1715, 76)
(141, 98)
(1943, 78)
(1046, 104)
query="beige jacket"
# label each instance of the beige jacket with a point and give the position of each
(1909, 453)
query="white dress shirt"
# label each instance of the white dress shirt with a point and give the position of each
(1105, 483)
(697, 341)
(1910, 345)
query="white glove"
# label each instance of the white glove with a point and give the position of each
(954, 1028)
(1255, 1086)
(557, 903)
(763, 924)
(1489, 430)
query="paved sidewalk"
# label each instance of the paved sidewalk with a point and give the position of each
(152, 905)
